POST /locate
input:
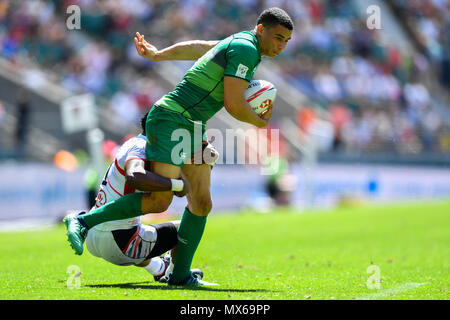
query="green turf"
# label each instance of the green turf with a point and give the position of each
(283, 255)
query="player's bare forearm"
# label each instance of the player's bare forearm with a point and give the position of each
(148, 181)
(143, 180)
(237, 106)
(186, 50)
(243, 112)
(138, 178)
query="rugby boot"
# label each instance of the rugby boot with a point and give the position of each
(76, 233)
(191, 281)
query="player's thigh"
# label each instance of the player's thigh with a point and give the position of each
(199, 180)
(155, 202)
(160, 201)
(107, 245)
(166, 170)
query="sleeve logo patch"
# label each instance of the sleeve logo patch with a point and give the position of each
(241, 71)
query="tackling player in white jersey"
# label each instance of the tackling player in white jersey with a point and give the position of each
(128, 242)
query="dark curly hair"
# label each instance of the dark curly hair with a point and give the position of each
(274, 16)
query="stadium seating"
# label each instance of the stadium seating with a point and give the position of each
(332, 58)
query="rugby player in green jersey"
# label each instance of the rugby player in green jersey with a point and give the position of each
(218, 79)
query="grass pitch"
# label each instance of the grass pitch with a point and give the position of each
(282, 255)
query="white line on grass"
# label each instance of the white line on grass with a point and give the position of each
(391, 291)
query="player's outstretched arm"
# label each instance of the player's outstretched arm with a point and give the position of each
(185, 50)
(238, 107)
(138, 178)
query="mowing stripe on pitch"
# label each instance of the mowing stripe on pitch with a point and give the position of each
(391, 291)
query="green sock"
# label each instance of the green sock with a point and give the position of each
(190, 233)
(128, 206)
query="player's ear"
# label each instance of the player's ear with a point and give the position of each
(259, 28)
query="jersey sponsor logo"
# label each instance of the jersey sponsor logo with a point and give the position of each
(241, 71)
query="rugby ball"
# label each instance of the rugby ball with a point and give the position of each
(259, 94)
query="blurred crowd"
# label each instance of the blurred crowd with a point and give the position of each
(429, 22)
(376, 99)
(374, 93)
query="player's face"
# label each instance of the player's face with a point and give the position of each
(273, 40)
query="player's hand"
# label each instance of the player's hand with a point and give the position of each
(183, 192)
(144, 48)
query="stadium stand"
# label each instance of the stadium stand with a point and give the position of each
(374, 95)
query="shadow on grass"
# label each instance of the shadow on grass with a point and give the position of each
(151, 286)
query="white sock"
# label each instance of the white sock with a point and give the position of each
(155, 267)
(169, 269)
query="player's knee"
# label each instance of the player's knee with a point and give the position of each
(203, 205)
(164, 203)
(157, 202)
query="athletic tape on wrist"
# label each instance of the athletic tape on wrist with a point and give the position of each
(177, 184)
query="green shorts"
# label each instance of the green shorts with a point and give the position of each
(172, 138)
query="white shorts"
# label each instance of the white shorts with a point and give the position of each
(136, 244)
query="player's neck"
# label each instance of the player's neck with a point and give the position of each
(255, 33)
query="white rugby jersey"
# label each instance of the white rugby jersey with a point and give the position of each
(114, 185)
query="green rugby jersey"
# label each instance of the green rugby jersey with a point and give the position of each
(199, 95)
